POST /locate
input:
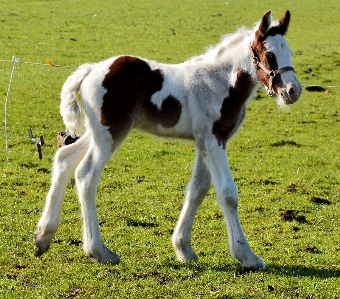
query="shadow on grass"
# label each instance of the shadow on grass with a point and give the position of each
(286, 271)
(300, 271)
(200, 266)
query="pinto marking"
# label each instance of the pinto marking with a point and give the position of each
(233, 108)
(203, 100)
(130, 84)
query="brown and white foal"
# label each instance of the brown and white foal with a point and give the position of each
(203, 99)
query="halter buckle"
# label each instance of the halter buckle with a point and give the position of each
(272, 73)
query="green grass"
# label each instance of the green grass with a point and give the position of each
(280, 160)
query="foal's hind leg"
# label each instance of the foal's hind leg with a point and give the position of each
(197, 190)
(65, 162)
(87, 176)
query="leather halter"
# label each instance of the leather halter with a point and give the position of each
(270, 73)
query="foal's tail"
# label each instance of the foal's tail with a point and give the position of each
(69, 106)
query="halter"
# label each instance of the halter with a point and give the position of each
(270, 73)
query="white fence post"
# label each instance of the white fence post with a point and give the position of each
(15, 60)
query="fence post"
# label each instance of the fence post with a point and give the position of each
(15, 60)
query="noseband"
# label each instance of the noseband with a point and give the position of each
(270, 73)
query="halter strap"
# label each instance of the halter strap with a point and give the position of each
(270, 73)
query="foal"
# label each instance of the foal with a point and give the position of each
(203, 99)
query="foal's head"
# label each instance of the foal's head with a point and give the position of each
(272, 57)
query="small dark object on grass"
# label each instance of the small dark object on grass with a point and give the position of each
(140, 223)
(287, 215)
(320, 200)
(284, 143)
(292, 188)
(315, 88)
(312, 249)
(75, 242)
(300, 219)
(290, 215)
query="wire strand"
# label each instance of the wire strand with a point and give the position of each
(38, 63)
(68, 66)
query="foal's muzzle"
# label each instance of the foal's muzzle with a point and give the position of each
(290, 93)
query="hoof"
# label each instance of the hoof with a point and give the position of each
(186, 255)
(256, 264)
(38, 251)
(106, 256)
(40, 246)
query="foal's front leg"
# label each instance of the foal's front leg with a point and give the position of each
(227, 196)
(197, 190)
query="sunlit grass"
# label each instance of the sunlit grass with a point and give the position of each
(280, 160)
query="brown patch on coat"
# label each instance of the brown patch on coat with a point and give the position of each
(233, 107)
(169, 114)
(270, 64)
(130, 83)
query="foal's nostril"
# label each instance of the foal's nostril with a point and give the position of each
(291, 91)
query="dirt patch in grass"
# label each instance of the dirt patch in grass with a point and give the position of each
(290, 215)
(284, 143)
(140, 223)
(320, 201)
(159, 277)
(312, 249)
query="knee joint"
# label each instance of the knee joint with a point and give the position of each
(229, 195)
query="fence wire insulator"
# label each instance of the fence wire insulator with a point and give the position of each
(37, 142)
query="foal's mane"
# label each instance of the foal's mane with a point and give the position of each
(230, 40)
(233, 39)
(227, 42)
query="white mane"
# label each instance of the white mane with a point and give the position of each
(229, 45)
(231, 40)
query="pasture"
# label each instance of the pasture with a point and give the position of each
(281, 160)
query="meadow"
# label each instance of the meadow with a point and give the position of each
(282, 159)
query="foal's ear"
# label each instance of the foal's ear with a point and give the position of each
(284, 23)
(265, 23)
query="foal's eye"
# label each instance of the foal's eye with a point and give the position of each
(270, 56)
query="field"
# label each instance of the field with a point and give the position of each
(282, 159)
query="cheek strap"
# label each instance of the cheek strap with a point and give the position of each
(270, 73)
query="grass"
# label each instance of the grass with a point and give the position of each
(281, 160)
